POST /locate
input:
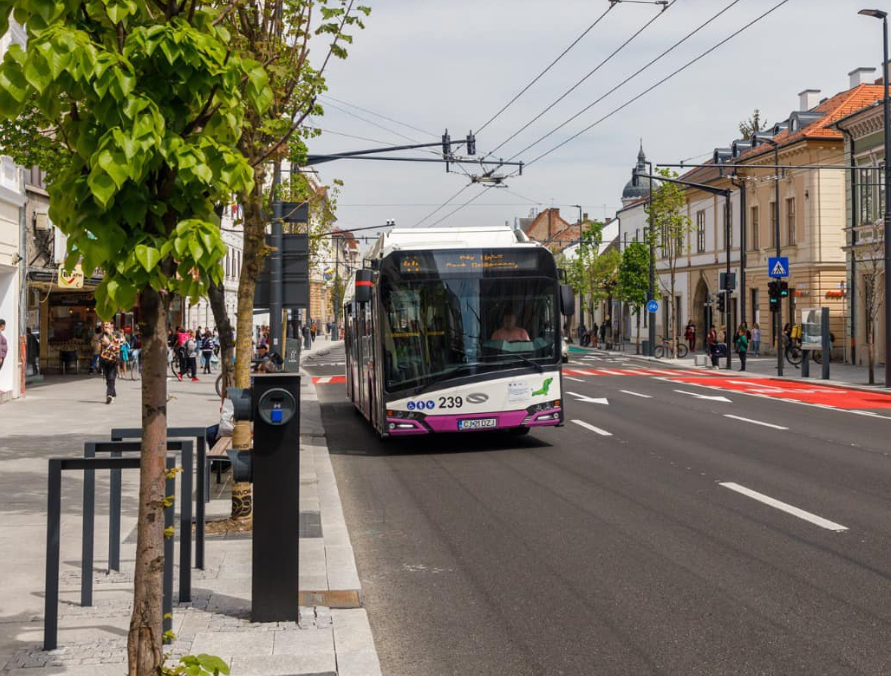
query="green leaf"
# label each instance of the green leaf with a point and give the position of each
(147, 256)
(213, 664)
(102, 187)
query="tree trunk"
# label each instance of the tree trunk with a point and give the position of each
(638, 331)
(145, 635)
(216, 294)
(254, 250)
(871, 352)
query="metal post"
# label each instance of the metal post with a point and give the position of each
(337, 294)
(88, 530)
(53, 528)
(776, 210)
(730, 333)
(201, 497)
(826, 343)
(114, 518)
(887, 235)
(743, 243)
(275, 264)
(651, 293)
(185, 524)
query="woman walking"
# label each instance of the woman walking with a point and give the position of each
(206, 350)
(191, 348)
(756, 340)
(690, 335)
(742, 347)
(108, 359)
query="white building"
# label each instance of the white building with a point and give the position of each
(12, 203)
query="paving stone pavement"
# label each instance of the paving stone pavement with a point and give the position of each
(92, 640)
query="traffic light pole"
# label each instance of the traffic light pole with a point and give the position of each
(730, 333)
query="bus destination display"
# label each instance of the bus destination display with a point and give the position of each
(444, 262)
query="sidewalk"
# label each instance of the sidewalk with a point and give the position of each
(333, 635)
(847, 375)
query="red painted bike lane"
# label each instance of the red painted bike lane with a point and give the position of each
(809, 393)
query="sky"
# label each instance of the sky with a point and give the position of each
(437, 64)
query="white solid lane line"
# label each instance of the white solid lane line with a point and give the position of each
(613, 373)
(578, 380)
(783, 507)
(599, 431)
(755, 422)
(636, 394)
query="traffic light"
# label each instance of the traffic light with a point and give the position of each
(784, 289)
(773, 293)
(446, 145)
(471, 143)
(722, 302)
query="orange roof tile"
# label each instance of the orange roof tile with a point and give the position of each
(837, 107)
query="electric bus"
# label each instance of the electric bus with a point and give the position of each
(456, 330)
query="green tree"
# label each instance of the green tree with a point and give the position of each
(604, 279)
(578, 267)
(279, 35)
(147, 101)
(750, 127)
(670, 227)
(634, 278)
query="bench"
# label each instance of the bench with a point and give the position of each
(219, 455)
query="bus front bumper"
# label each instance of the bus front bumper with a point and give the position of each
(503, 420)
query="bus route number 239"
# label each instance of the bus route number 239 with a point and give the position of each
(451, 402)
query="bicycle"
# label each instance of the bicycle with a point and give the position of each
(666, 349)
(134, 365)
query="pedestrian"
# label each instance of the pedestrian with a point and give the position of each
(124, 356)
(32, 350)
(742, 347)
(96, 343)
(191, 348)
(313, 330)
(756, 340)
(4, 346)
(690, 335)
(207, 350)
(108, 359)
(603, 330)
(712, 343)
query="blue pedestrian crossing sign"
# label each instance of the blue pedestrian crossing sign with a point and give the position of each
(653, 306)
(778, 267)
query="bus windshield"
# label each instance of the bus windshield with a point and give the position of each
(436, 329)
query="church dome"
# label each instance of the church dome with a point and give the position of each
(632, 192)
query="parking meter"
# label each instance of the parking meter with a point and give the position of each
(273, 466)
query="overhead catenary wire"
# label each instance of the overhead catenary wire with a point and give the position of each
(380, 115)
(443, 205)
(652, 87)
(375, 124)
(578, 84)
(542, 73)
(467, 203)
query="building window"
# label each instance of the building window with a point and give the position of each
(790, 221)
(637, 235)
(773, 225)
(700, 232)
(755, 240)
(755, 313)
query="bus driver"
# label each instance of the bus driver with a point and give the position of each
(509, 330)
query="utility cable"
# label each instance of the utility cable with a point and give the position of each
(580, 82)
(658, 84)
(442, 206)
(629, 78)
(366, 120)
(467, 203)
(371, 112)
(542, 73)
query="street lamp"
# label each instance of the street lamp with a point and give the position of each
(879, 14)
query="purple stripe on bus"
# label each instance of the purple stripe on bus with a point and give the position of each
(449, 423)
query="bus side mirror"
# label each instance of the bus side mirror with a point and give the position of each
(567, 300)
(363, 285)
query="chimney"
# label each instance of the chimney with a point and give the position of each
(585, 218)
(808, 99)
(860, 76)
(550, 221)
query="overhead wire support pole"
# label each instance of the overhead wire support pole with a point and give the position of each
(318, 159)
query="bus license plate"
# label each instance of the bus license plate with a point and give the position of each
(477, 424)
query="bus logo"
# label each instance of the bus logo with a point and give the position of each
(477, 398)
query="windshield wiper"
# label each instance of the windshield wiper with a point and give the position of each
(538, 367)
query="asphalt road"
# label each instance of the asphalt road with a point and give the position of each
(660, 536)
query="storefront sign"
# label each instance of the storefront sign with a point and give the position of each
(71, 279)
(86, 299)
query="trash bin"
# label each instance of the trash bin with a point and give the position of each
(645, 348)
